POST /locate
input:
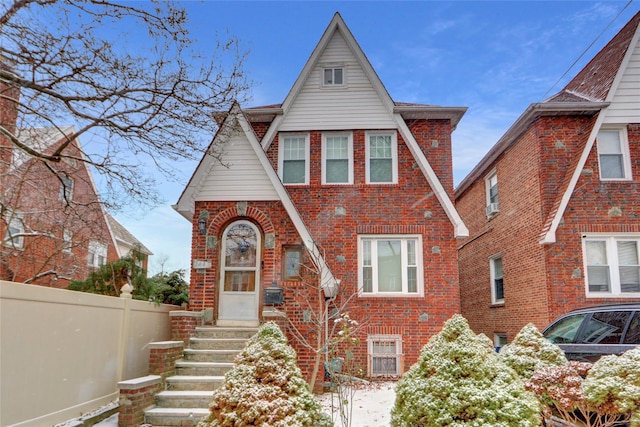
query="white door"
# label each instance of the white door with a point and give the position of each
(240, 275)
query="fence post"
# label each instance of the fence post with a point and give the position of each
(125, 294)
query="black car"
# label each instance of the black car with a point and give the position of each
(589, 333)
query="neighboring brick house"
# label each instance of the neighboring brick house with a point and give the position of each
(341, 174)
(553, 209)
(53, 226)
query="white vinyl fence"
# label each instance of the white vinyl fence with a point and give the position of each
(63, 352)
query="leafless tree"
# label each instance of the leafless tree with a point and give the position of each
(126, 75)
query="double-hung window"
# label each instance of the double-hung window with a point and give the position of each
(382, 158)
(390, 265)
(294, 158)
(491, 184)
(613, 155)
(333, 76)
(97, 254)
(385, 355)
(337, 158)
(497, 281)
(66, 188)
(13, 237)
(612, 265)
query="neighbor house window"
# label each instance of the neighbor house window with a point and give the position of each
(613, 155)
(612, 266)
(67, 236)
(337, 159)
(97, 254)
(491, 184)
(390, 265)
(333, 76)
(13, 238)
(385, 355)
(497, 282)
(382, 158)
(66, 188)
(294, 159)
(499, 340)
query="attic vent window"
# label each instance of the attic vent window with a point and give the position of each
(333, 76)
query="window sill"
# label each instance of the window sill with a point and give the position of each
(497, 305)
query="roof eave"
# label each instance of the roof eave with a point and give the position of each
(532, 112)
(428, 112)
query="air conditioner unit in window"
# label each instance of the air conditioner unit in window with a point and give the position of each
(492, 209)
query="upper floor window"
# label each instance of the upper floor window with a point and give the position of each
(613, 155)
(612, 265)
(390, 265)
(337, 159)
(97, 255)
(497, 281)
(14, 237)
(382, 158)
(333, 76)
(491, 184)
(67, 236)
(294, 158)
(66, 188)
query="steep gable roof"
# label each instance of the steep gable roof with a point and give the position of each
(121, 234)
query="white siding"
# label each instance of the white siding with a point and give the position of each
(356, 106)
(243, 178)
(625, 105)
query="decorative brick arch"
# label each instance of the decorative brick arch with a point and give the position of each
(242, 209)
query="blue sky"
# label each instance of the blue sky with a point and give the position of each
(495, 58)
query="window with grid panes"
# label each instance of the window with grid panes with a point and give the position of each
(381, 158)
(294, 154)
(385, 355)
(337, 159)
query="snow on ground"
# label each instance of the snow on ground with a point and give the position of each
(371, 407)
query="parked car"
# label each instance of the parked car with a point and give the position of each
(587, 334)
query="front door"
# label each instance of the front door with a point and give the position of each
(240, 275)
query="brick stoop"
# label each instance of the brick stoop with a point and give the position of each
(187, 394)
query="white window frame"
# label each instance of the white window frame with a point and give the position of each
(66, 188)
(396, 340)
(67, 240)
(15, 221)
(96, 251)
(610, 240)
(349, 159)
(499, 340)
(333, 68)
(624, 152)
(492, 273)
(281, 141)
(394, 156)
(493, 206)
(404, 238)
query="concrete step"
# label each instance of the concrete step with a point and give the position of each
(203, 368)
(192, 355)
(171, 417)
(194, 382)
(224, 332)
(184, 399)
(217, 343)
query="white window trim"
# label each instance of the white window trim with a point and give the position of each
(333, 66)
(419, 262)
(612, 258)
(16, 220)
(394, 156)
(67, 240)
(397, 339)
(491, 210)
(626, 155)
(307, 155)
(96, 248)
(492, 275)
(498, 337)
(66, 189)
(349, 136)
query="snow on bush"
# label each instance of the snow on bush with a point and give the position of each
(265, 388)
(613, 385)
(530, 351)
(459, 380)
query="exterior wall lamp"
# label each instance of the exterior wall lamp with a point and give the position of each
(202, 225)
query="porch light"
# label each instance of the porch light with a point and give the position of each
(202, 225)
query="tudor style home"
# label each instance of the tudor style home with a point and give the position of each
(341, 180)
(53, 227)
(553, 208)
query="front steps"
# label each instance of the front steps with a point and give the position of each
(201, 370)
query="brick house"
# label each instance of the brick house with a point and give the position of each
(341, 180)
(553, 208)
(54, 228)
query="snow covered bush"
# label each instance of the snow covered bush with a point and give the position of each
(265, 388)
(460, 381)
(530, 351)
(613, 385)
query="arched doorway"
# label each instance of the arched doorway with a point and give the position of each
(240, 275)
